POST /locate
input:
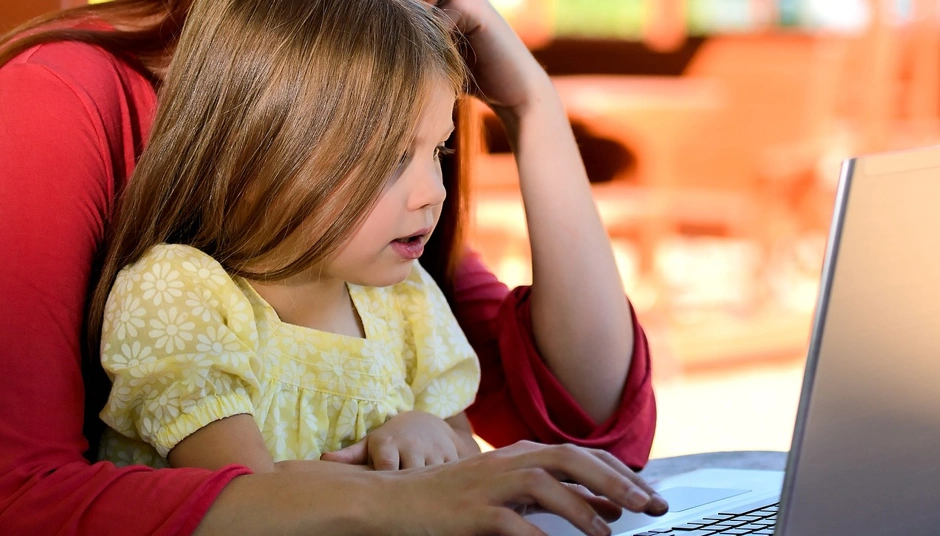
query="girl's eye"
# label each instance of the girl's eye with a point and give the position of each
(442, 150)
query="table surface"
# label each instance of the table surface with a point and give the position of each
(660, 468)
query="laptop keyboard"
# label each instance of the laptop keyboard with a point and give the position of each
(755, 518)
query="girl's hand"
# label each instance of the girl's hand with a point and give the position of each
(506, 74)
(407, 440)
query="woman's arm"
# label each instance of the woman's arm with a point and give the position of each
(579, 316)
(61, 159)
(520, 398)
(475, 495)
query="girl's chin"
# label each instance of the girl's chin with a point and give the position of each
(388, 277)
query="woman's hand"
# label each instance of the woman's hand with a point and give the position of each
(478, 495)
(506, 75)
(407, 440)
(482, 494)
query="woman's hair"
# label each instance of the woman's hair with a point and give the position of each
(143, 32)
(279, 124)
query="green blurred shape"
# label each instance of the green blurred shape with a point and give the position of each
(614, 19)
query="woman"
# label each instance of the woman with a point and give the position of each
(73, 119)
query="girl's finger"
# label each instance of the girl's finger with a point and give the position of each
(385, 456)
(355, 454)
(411, 459)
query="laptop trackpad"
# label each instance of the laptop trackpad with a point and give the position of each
(680, 498)
(684, 498)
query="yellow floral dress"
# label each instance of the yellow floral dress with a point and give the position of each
(185, 344)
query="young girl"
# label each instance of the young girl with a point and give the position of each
(270, 307)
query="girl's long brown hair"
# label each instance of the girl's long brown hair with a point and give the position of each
(278, 108)
(148, 34)
(278, 127)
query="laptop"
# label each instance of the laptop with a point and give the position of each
(865, 455)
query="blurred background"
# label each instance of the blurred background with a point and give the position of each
(713, 132)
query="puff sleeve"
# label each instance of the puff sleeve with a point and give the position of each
(180, 344)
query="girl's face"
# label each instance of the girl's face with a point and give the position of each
(383, 249)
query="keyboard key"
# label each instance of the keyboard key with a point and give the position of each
(748, 508)
(718, 517)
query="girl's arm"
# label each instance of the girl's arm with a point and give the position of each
(580, 320)
(236, 440)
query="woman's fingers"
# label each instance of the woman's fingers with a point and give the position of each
(505, 522)
(658, 505)
(548, 493)
(604, 508)
(595, 470)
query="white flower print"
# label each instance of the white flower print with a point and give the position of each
(205, 269)
(316, 429)
(131, 355)
(165, 406)
(435, 352)
(221, 343)
(161, 284)
(297, 343)
(120, 422)
(345, 427)
(458, 340)
(171, 330)
(146, 372)
(202, 303)
(468, 383)
(239, 313)
(128, 317)
(198, 368)
(279, 434)
(442, 398)
(125, 282)
(295, 371)
(167, 252)
(120, 457)
(334, 369)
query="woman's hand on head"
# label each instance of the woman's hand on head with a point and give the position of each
(505, 74)
(408, 440)
(482, 494)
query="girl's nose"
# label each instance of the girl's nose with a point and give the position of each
(428, 190)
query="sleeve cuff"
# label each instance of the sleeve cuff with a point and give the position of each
(208, 410)
(549, 410)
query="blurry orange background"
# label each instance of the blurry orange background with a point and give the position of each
(713, 131)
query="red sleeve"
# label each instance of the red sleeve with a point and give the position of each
(64, 145)
(520, 398)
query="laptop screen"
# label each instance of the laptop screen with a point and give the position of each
(865, 457)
